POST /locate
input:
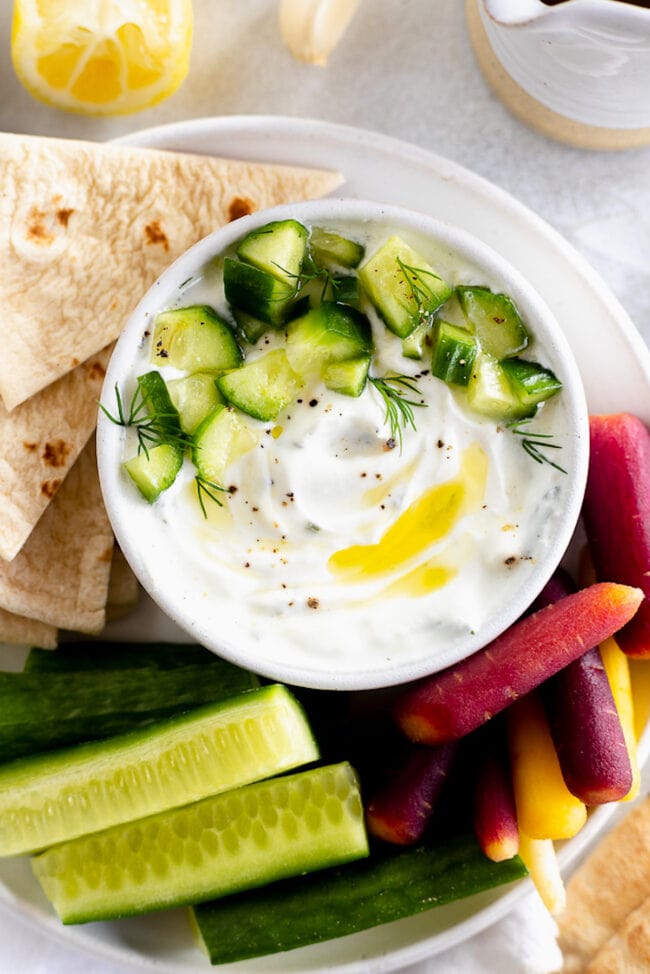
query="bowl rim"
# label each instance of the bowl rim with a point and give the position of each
(342, 210)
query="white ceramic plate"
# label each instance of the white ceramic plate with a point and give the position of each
(615, 366)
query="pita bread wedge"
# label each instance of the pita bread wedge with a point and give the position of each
(19, 631)
(123, 590)
(86, 228)
(628, 951)
(612, 882)
(61, 574)
(39, 442)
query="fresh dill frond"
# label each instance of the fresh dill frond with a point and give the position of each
(207, 489)
(151, 429)
(310, 271)
(426, 300)
(534, 444)
(399, 414)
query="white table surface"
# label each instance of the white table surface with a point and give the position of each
(404, 68)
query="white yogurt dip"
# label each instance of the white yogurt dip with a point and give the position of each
(337, 557)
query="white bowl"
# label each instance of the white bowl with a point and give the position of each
(216, 616)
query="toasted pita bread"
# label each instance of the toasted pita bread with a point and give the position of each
(19, 631)
(123, 588)
(86, 228)
(612, 882)
(39, 442)
(61, 574)
(628, 951)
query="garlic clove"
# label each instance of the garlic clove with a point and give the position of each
(311, 29)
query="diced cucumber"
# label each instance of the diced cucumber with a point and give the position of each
(220, 440)
(346, 290)
(329, 333)
(257, 292)
(159, 404)
(348, 377)
(454, 353)
(495, 321)
(490, 394)
(51, 798)
(532, 382)
(277, 248)
(415, 344)
(40, 711)
(234, 841)
(392, 883)
(330, 249)
(194, 396)
(262, 388)
(402, 286)
(99, 655)
(194, 339)
(156, 470)
(250, 328)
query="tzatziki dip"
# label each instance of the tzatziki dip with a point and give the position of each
(347, 447)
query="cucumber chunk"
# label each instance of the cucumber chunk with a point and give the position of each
(328, 333)
(346, 290)
(392, 883)
(251, 329)
(234, 841)
(421, 338)
(262, 388)
(454, 352)
(194, 339)
(257, 292)
(495, 321)
(99, 655)
(220, 440)
(194, 397)
(155, 471)
(277, 248)
(531, 382)
(51, 798)
(159, 404)
(330, 249)
(490, 394)
(402, 286)
(58, 707)
(348, 377)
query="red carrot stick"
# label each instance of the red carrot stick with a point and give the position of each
(495, 815)
(400, 812)
(616, 513)
(450, 704)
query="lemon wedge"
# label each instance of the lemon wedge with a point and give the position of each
(101, 57)
(311, 29)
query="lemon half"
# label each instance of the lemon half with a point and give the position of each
(101, 57)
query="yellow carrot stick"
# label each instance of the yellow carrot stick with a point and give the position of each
(539, 858)
(546, 809)
(617, 667)
(640, 680)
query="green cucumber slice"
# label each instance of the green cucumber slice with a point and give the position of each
(391, 884)
(346, 290)
(531, 382)
(257, 292)
(454, 353)
(490, 394)
(51, 798)
(96, 655)
(402, 286)
(194, 339)
(330, 249)
(156, 470)
(194, 397)
(415, 344)
(495, 321)
(349, 377)
(220, 440)
(159, 404)
(251, 329)
(328, 333)
(40, 711)
(245, 838)
(278, 248)
(262, 388)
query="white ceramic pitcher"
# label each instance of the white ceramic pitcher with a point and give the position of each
(581, 67)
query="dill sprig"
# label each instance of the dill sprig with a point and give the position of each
(534, 444)
(393, 389)
(310, 271)
(210, 490)
(426, 300)
(152, 429)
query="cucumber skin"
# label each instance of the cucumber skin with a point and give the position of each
(387, 886)
(97, 655)
(40, 711)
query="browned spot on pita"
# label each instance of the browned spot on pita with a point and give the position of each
(36, 229)
(50, 487)
(63, 216)
(30, 446)
(155, 234)
(107, 554)
(56, 452)
(96, 371)
(240, 206)
(74, 362)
